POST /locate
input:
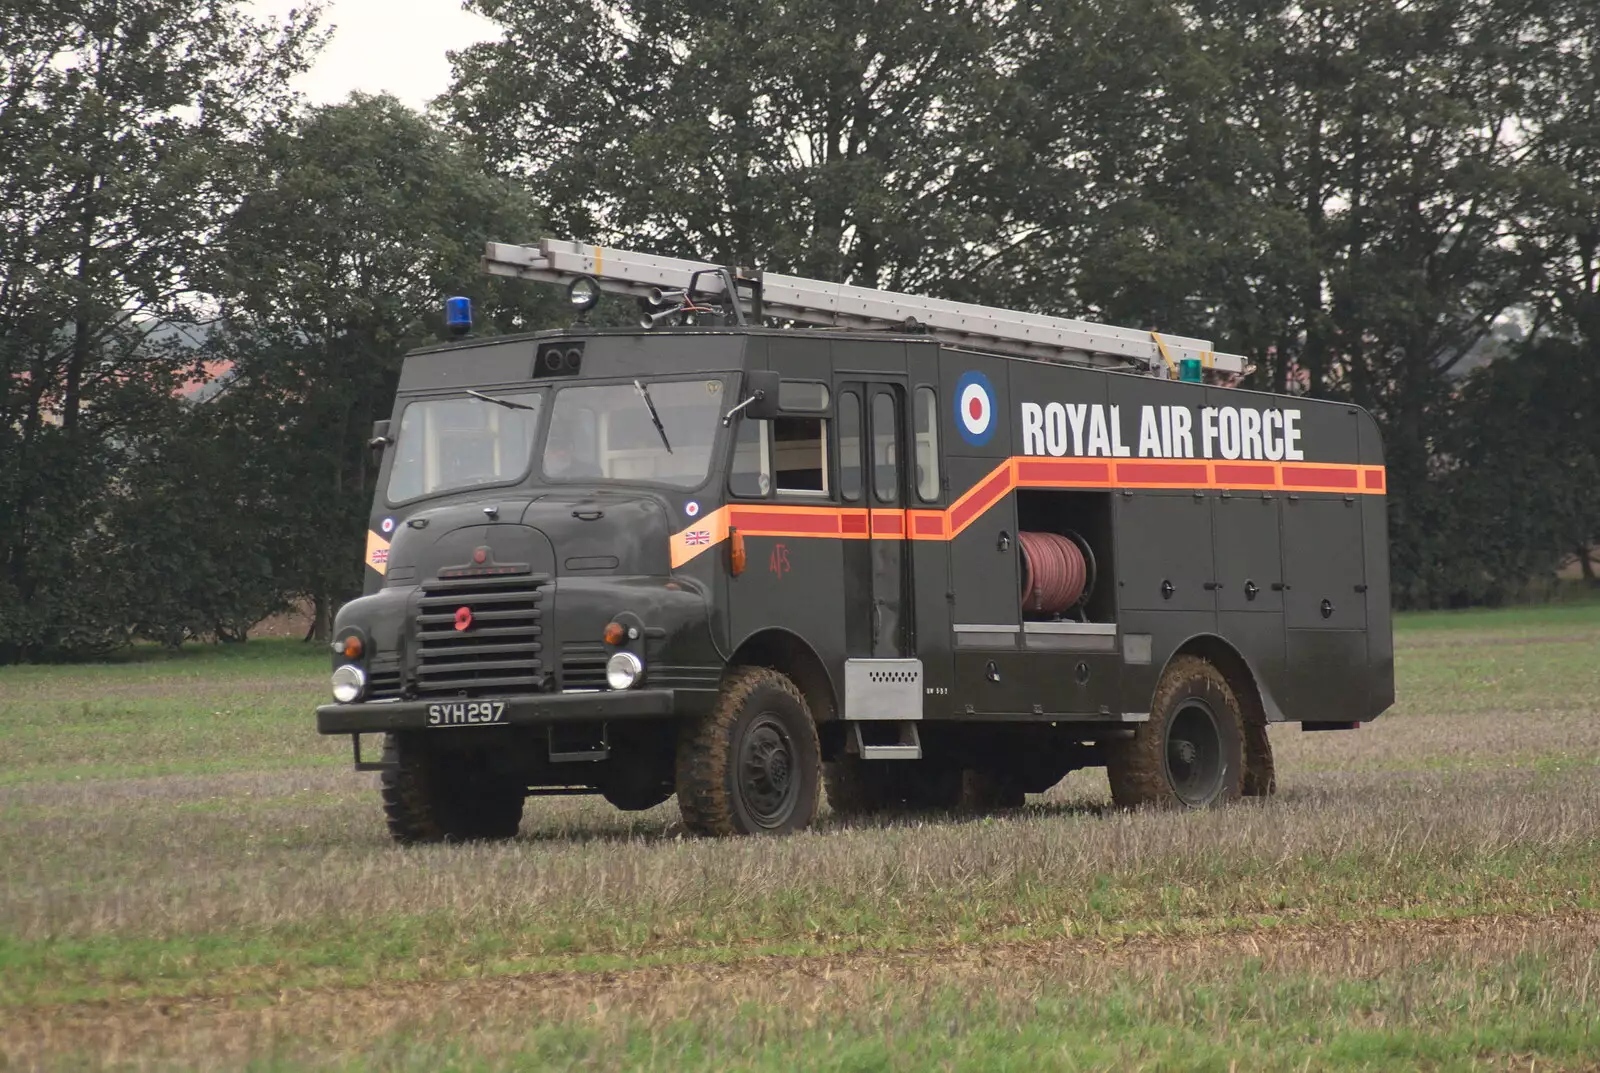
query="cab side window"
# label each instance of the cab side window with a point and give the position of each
(751, 474)
(800, 455)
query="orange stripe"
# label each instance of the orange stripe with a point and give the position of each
(856, 523)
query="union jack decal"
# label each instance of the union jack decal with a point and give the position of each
(697, 536)
(380, 555)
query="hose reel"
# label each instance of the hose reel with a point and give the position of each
(1058, 572)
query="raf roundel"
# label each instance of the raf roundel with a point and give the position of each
(975, 408)
(387, 525)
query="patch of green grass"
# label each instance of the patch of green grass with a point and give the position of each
(1581, 611)
(200, 710)
(1439, 1014)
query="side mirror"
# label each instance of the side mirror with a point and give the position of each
(762, 386)
(760, 397)
(380, 440)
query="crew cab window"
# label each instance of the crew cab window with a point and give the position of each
(885, 460)
(927, 452)
(850, 446)
(447, 444)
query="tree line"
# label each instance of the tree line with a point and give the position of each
(1393, 204)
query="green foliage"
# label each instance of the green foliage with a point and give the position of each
(363, 218)
(119, 125)
(837, 138)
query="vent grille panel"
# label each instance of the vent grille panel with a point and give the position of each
(501, 649)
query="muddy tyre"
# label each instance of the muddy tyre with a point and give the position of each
(1260, 775)
(753, 764)
(430, 796)
(1190, 753)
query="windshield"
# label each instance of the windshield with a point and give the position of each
(608, 433)
(446, 444)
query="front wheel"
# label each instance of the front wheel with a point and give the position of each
(753, 765)
(434, 796)
(1190, 753)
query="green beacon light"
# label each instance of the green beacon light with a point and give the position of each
(1189, 370)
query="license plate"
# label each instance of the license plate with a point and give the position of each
(467, 713)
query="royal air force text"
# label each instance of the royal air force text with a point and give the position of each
(1095, 430)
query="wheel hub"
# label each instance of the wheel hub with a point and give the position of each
(766, 769)
(1195, 767)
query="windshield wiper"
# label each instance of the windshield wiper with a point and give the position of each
(510, 404)
(644, 393)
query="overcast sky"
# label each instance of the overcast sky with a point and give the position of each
(393, 45)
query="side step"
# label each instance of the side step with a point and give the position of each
(908, 745)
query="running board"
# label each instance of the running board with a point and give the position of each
(908, 747)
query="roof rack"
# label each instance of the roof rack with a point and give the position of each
(669, 287)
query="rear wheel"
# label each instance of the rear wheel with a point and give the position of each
(433, 796)
(1190, 753)
(753, 765)
(1260, 775)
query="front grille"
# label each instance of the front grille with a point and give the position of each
(383, 683)
(583, 666)
(499, 651)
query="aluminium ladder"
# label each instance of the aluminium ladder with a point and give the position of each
(814, 302)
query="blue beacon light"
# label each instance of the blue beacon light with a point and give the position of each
(458, 315)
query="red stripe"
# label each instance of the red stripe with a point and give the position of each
(1374, 478)
(823, 521)
(1182, 473)
(888, 524)
(1246, 474)
(1046, 471)
(852, 523)
(1321, 477)
(983, 497)
(929, 524)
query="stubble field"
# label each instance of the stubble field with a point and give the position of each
(190, 877)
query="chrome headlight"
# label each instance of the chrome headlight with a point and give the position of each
(349, 683)
(624, 670)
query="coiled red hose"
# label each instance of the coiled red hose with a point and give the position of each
(1053, 573)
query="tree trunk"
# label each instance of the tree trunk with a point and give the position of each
(1586, 565)
(321, 619)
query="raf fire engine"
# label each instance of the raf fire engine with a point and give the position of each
(923, 554)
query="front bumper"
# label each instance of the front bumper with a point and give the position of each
(534, 709)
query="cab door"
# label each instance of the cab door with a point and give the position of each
(880, 597)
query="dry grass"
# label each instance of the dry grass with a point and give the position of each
(204, 889)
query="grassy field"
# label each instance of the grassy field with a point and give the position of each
(192, 878)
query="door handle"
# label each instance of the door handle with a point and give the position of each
(1212, 586)
(1250, 590)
